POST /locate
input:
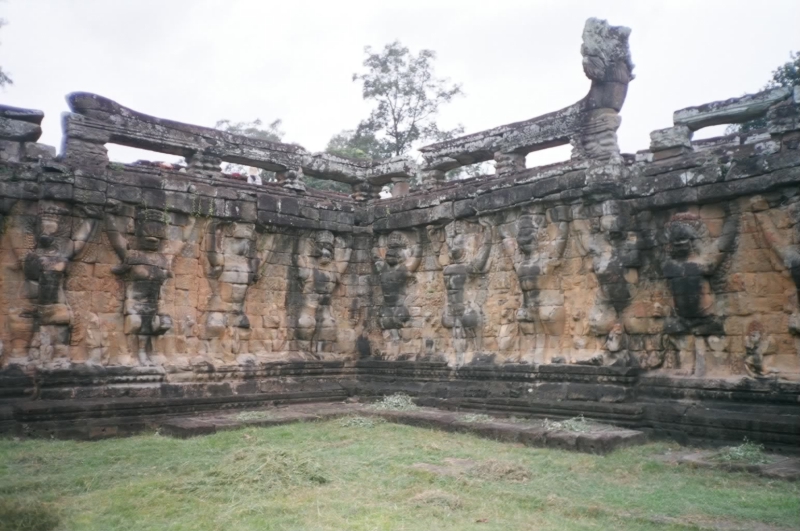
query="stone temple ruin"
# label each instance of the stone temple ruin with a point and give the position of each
(656, 290)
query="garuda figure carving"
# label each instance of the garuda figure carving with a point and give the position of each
(693, 258)
(611, 245)
(232, 266)
(319, 270)
(460, 262)
(59, 238)
(785, 242)
(145, 269)
(536, 248)
(396, 261)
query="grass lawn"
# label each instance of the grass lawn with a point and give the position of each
(360, 475)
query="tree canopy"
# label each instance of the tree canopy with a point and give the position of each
(786, 75)
(4, 77)
(407, 96)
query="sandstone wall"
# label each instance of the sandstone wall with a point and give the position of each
(682, 259)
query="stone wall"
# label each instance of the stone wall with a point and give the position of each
(681, 261)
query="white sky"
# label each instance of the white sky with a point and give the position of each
(199, 61)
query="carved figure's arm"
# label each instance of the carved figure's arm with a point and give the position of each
(377, 258)
(214, 254)
(435, 237)
(343, 248)
(116, 237)
(714, 254)
(788, 252)
(84, 232)
(556, 248)
(509, 241)
(482, 257)
(415, 258)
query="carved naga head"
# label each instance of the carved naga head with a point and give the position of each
(606, 54)
(682, 231)
(323, 246)
(395, 248)
(151, 228)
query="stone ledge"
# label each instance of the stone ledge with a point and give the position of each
(598, 439)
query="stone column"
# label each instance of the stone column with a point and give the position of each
(507, 163)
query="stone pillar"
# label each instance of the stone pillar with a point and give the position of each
(364, 191)
(670, 142)
(507, 163)
(292, 180)
(83, 145)
(431, 178)
(402, 186)
(204, 164)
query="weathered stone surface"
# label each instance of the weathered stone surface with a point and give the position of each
(19, 131)
(610, 285)
(734, 110)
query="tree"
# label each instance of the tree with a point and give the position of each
(4, 78)
(786, 75)
(348, 144)
(407, 96)
(254, 129)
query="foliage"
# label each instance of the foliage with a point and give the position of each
(354, 146)
(149, 483)
(357, 421)
(5, 79)
(786, 75)
(575, 424)
(254, 129)
(407, 96)
(396, 402)
(747, 452)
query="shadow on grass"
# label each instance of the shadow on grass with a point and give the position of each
(17, 515)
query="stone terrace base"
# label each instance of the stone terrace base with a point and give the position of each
(123, 401)
(598, 439)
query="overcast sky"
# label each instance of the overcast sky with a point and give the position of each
(199, 61)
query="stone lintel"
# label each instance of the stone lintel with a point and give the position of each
(730, 111)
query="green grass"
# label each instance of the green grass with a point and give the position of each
(335, 476)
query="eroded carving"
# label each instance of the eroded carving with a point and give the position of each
(42, 324)
(320, 267)
(234, 255)
(693, 257)
(145, 268)
(611, 245)
(536, 245)
(395, 260)
(462, 260)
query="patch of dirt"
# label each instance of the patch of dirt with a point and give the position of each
(705, 523)
(438, 498)
(779, 467)
(489, 469)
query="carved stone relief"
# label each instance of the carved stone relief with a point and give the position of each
(692, 258)
(536, 243)
(396, 257)
(42, 323)
(462, 260)
(321, 262)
